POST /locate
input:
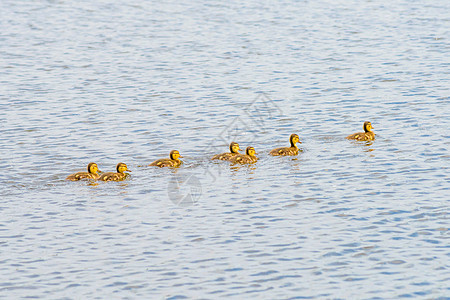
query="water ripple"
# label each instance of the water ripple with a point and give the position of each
(111, 82)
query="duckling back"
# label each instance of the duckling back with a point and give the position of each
(112, 176)
(367, 135)
(284, 151)
(90, 174)
(293, 150)
(225, 156)
(362, 136)
(234, 150)
(173, 161)
(243, 159)
(165, 162)
(81, 176)
(247, 158)
(116, 176)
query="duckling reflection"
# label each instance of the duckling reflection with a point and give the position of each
(284, 151)
(248, 158)
(90, 174)
(367, 135)
(112, 176)
(234, 150)
(173, 161)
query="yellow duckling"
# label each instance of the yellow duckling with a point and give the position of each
(234, 150)
(248, 158)
(367, 135)
(173, 161)
(90, 174)
(120, 175)
(292, 150)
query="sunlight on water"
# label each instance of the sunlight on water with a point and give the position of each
(113, 82)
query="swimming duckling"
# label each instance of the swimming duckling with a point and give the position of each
(120, 175)
(234, 150)
(90, 174)
(292, 150)
(173, 161)
(247, 158)
(367, 135)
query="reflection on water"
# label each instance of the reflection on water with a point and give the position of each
(367, 145)
(106, 83)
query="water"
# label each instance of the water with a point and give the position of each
(111, 81)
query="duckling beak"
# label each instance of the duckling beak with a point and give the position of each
(128, 170)
(181, 156)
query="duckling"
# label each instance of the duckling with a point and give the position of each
(367, 135)
(120, 175)
(173, 161)
(248, 158)
(292, 150)
(90, 174)
(234, 150)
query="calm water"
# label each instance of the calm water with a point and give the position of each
(107, 81)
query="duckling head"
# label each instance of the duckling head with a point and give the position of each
(92, 168)
(234, 147)
(121, 167)
(367, 126)
(175, 154)
(294, 139)
(250, 151)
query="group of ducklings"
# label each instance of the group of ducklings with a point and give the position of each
(233, 156)
(93, 170)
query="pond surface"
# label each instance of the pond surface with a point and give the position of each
(110, 81)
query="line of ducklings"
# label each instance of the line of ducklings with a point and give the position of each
(233, 156)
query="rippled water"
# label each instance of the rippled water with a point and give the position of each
(111, 81)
